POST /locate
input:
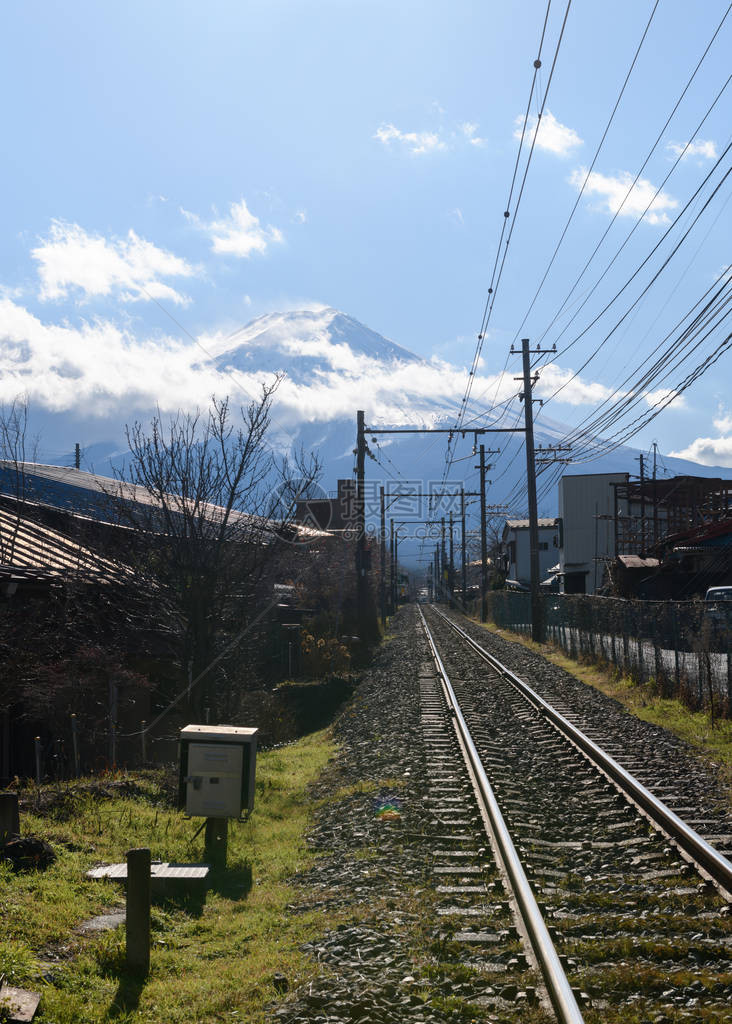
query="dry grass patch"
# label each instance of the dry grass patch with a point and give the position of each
(210, 961)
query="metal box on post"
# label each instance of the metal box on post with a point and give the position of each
(217, 765)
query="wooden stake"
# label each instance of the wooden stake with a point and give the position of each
(75, 742)
(9, 816)
(216, 841)
(137, 924)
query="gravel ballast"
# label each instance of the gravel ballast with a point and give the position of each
(374, 874)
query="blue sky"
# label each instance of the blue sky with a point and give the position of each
(232, 159)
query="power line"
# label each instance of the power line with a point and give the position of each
(498, 271)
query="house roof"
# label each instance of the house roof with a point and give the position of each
(29, 550)
(523, 524)
(636, 562)
(95, 496)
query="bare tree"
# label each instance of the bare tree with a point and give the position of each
(16, 448)
(209, 502)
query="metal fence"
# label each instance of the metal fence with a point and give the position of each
(681, 647)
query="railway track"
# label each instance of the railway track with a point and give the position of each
(585, 908)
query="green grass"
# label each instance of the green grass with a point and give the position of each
(711, 739)
(209, 962)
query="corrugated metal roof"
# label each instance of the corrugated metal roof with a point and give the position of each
(636, 562)
(29, 550)
(89, 494)
(523, 524)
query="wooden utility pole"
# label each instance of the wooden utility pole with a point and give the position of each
(382, 580)
(655, 496)
(451, 570)
(361, 578)
(392, 575)
(465, 554)
(483, 543)
(537, 631)
(445, 579)
(642, 509)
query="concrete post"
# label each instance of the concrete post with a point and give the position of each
(9, 816)
(216, 841)
(137, 924)
(75, 744)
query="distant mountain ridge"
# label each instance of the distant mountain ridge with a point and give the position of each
(307, 342)
(335, 365)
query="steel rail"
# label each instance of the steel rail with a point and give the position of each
(558, 986)
(717, 866)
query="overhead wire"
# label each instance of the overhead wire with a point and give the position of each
(680, 156)
(638, 269)
(587, 176)
(638, 173)
(497, 271)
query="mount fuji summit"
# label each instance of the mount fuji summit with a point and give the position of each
(330, 366)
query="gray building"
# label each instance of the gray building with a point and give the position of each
(517, 556)
(587, 529)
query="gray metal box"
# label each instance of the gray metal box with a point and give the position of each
(217, 765)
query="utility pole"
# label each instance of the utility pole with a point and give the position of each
(465, 555)
(360, 453)
(444, 581)
(655, 496)
(642, 509)
(536, 609)
(483, 466)
(361, 578)
(392, 583)
(396, 569)
(483, 543)
(382, 581)
(451, 571)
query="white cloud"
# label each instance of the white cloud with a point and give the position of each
(709, 451)
(418, 143)
(70, 259)
(469, 130)
(457, 215)
(613, 191)
(107, 370)
(301, 217)
(552, 136)
(239, 234)
(723, 422)
(97, 366)
(704, 148)
(712, 451)
(667, 397)
(575, 390)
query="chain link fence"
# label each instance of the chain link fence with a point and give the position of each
(681, 647)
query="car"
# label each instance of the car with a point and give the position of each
(717, 619)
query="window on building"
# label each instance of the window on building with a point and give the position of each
(543, 545)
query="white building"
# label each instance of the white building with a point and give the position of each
(587, 529)
(515, 543)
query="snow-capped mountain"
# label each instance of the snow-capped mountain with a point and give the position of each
(332, 366)
(306, 342)
(335, 365)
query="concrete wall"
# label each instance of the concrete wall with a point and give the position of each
(520, 569)
(582, 499)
